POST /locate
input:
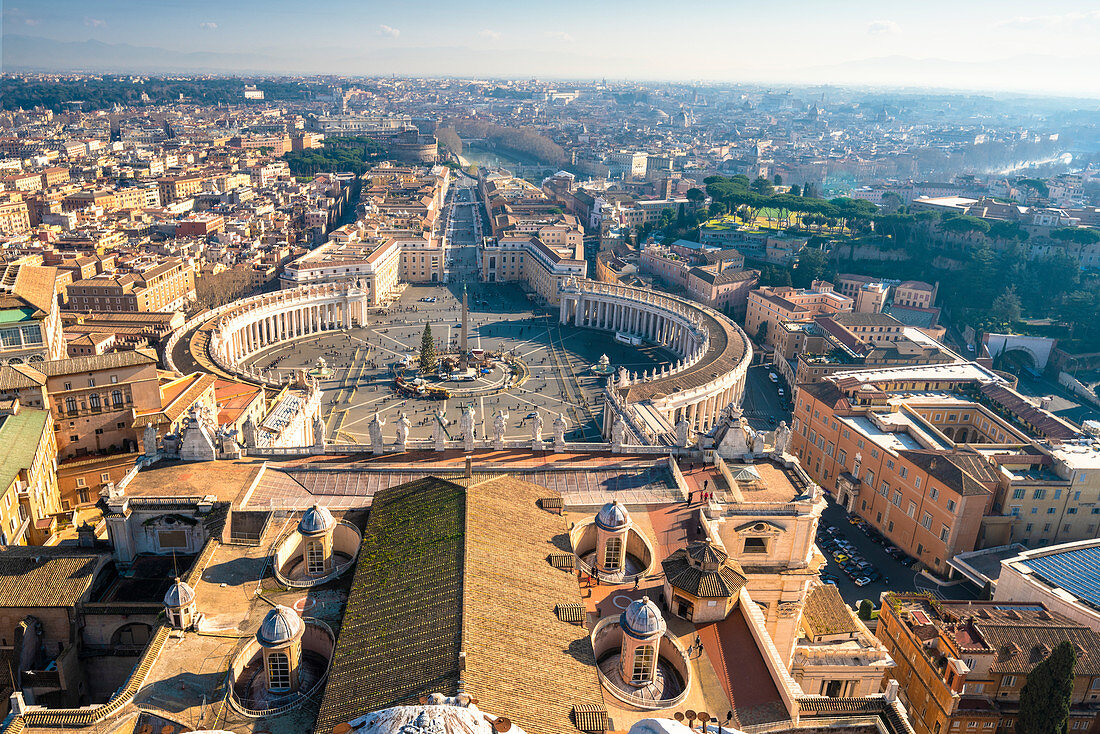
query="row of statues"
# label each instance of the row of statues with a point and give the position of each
(467, 424)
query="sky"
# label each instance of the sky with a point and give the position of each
(980, 44)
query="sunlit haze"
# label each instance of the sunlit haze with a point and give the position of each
(1011, 45)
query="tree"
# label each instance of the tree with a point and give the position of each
(695, 196)
(762, 186)
(1006, 308)
(1045, 697)
(866, 607)
(794, 190)
(778, 180)
(762, 332)
(428, 359)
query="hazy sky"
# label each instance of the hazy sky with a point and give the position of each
(995, 44)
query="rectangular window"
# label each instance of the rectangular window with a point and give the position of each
(10, 337)
(951, 505)
(897, 499)
(933, 494)
(842, 458)
(1057, 494)
(912, 510)
(1038, 494)
(916, 482)
(926, 521)
(32, 335)
(904, 472)
(945, 533)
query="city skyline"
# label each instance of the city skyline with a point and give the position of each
(1004, 47)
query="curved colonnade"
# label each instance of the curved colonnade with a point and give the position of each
(710, 375)
(256, 323)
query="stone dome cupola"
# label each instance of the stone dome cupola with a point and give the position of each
(280, 627)
(315, 521)
(642, 619)
(179, 605)
(612, 517)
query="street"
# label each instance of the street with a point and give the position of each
(763, 407)
(895, 576)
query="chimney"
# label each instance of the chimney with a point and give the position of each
(469, 467)
(932, 463)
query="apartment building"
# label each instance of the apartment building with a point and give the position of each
(961, 665)
(94, 400)
(14, 215)
(373, 264)
(851, 341)
(174, 188)
(529, 260)
(166, 286)
(769, 306)
(29, 497)
(946, 458)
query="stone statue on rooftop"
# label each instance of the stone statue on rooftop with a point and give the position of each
(377, 443)
(782, 437)
(468, 420)
(500, 426)
(536, 431)
(403, 425)
(560, 424)
(618, 434)
(439, 433)
(683, 433)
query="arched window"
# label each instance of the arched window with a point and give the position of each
(315, 558)
(612, 552)
(643, 664)
(70, 405)
(116, 398)
(278, 671)
(94, 401)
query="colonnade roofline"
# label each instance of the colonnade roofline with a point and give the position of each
(709, 377)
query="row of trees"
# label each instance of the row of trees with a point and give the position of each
(104, 93)
(523, 140)
(353, 154)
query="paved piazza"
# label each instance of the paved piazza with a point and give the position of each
(558, 359)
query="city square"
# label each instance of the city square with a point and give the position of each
(358, 380)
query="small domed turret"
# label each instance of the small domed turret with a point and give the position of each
(179, 594)
(280, 627)
(315, 521)
(612, 516)
(642, 619)
(179, 605)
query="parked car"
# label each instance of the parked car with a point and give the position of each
(861, 581)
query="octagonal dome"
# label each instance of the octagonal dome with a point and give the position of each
(280, 626)
(316, 520)
(613, 516)
(642, 619)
